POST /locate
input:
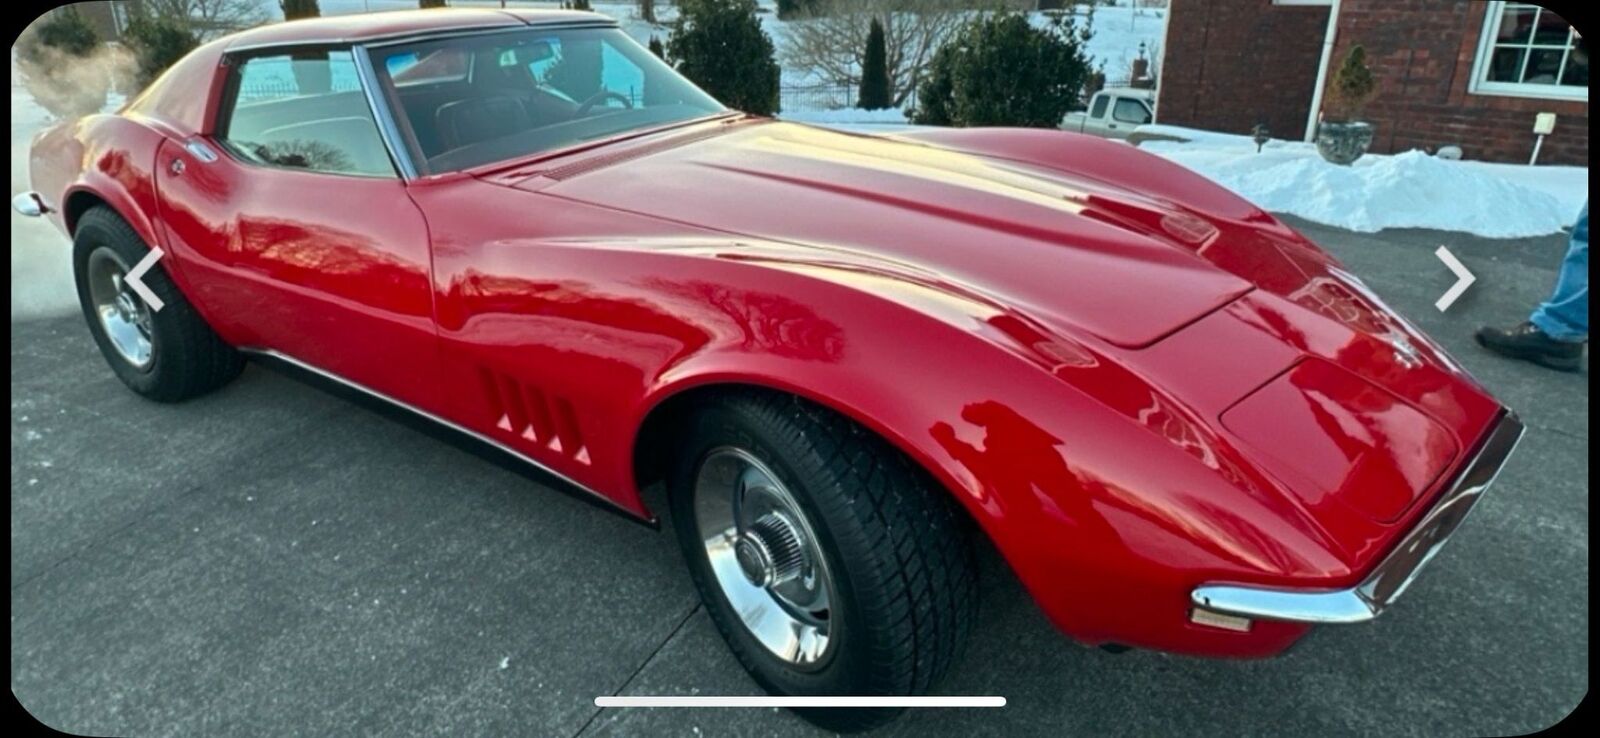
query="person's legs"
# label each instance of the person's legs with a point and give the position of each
(1556, 332)
(1565, 317)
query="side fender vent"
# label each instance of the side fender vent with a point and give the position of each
(534, 417)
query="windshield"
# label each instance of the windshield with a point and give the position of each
(475, 100)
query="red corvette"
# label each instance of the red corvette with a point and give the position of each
(845, 357)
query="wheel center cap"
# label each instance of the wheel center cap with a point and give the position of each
(755, 560)
(770, 552)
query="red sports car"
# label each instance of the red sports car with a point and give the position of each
(844, 357)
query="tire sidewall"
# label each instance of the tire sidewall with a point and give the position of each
(94, 234)
(845, 670)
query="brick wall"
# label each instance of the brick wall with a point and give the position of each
(1230, 64)
(1422, 53)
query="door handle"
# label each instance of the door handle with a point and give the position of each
(200, 150)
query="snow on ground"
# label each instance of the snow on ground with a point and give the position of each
(890, 116)
(1409, 190)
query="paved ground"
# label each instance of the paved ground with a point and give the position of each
(272, 560)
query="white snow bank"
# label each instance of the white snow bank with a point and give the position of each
(1409, 190)
(889, 116)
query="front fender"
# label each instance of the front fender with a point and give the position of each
(1107, 497)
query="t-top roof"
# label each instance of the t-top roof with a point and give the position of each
(357, 28)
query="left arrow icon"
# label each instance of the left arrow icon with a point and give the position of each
(134, 281)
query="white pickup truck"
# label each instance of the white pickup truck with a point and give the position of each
(1113, 112)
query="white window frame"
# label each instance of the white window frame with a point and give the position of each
(1479, 85)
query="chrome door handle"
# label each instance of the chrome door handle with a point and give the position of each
(200, 150)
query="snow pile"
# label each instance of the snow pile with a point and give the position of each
(889, 116)
(1409, 190)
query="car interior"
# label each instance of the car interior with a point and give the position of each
(469, 102)
(496, 95)
(463, 103)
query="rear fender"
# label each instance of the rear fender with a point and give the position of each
(103, 159)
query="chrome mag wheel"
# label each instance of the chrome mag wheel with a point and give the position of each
(123, 315)
(765, 556)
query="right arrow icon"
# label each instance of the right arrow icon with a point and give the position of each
(1464, 279)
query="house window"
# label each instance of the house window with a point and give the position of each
(1528, 51)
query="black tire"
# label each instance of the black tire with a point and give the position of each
(899, 549)
(187, 358)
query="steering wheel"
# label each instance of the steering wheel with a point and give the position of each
(600, 97)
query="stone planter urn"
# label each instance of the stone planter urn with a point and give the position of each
(1343, 143)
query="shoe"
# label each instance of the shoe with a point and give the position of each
(1529, 343)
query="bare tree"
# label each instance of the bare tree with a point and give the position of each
(209, 17)
(830, 39)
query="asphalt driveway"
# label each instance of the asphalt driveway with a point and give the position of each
(271, 560)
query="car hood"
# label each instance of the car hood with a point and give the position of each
(1257, 338)
(1069, 251)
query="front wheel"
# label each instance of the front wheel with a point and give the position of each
(831, 564)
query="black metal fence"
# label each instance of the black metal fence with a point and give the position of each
(826, 97)
(268, 89)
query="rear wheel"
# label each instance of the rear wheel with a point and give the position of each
(166, 355)
(831, 564)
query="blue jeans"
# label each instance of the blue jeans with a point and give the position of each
(1565, 316)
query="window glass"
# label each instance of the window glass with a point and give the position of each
(1129, 110)
(1099, 109)
(1534, 47)
(1576, 73)
(305, 111)
(529, 91)
(445, 65)
(1516, 23)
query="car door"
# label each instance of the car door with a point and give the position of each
(295, 233)
(1095, 120)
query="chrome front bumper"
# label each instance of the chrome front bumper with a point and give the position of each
(1364, 601)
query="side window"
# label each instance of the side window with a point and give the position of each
(1099, 109)
(1129, 110)
(305, 110)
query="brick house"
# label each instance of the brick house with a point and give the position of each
(1450, 72)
